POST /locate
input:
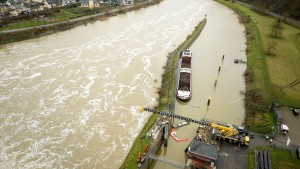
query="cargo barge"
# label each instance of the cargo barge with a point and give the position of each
(184, 79)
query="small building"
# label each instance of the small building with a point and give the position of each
(90, 3)
(202, 155)
(128, 2)
(54, 3)
(35, 6)
(116, 2)
(4, 10)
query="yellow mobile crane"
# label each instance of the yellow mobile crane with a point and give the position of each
(231, 134)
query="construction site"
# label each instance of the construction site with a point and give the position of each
(211, 143)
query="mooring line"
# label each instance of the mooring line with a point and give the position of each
(226, 104)
(217, 106)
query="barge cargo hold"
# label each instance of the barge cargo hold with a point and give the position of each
(184, 79)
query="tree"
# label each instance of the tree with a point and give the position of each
(279, 6)
(276, 28)
(269, 47)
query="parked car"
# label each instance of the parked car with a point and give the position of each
(295, 111)
(2, 25)
(298, 153)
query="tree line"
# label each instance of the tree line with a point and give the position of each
(286, 8)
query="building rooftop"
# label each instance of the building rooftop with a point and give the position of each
(202, 149)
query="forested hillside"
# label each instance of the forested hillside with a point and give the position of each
(288, 8)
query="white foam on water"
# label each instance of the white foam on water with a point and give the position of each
(91, 75)
(67, 131)
(125, 142)
(100, 130)
(108, 73)
(61, 94)
(4, 98)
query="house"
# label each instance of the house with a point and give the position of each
(22, 9)
(84, 3)
(47, 5)
(3, 9)
(36, 6)
(90, 3)
(14, 12)
(54, 3)
(128, 2)
(67, 2)
(117, 2)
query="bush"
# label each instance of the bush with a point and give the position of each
(56, 9)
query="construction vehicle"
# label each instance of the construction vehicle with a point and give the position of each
(230, 134)
(222, 132)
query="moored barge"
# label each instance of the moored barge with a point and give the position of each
(184, 79)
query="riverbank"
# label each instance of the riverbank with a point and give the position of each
(262, 80)
(166, 95)
(266, 75)
(16, 35)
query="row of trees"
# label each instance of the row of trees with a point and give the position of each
(287, 8)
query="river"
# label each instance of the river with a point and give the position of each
(72, 99)
(222, 35)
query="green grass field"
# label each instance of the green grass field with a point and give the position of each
(274, 71)
(281, 159)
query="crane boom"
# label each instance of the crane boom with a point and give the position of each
(202, 122)
(228, 131)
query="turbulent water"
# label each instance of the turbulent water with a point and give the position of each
(71, 99)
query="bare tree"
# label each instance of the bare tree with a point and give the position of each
(276, 28)
(269, 47)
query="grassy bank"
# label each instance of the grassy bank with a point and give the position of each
(280, 66)
(280, 159)
(61, 19)
(273, 63)
(166, 95)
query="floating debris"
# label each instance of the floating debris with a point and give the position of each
(239, 61)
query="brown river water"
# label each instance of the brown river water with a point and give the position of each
(72, 99)
(222, 35)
